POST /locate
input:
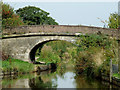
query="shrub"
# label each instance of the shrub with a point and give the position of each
(47, 55)
(3, 56)
(9, 18)
(12, 22)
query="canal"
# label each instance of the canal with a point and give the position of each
(62, 77)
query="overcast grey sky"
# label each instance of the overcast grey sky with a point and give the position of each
(74, 13)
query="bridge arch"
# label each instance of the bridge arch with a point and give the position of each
(34, 48)
(24, 47)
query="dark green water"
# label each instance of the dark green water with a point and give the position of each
(61, 78)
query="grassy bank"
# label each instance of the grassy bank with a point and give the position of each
(15, 64)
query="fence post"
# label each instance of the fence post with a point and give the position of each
(118, 34)
(119, 56)
(110, 70)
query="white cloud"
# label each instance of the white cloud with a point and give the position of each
(60, 0)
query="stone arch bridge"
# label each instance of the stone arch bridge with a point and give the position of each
(22, 42)
(24, 47)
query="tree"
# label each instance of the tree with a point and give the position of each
(35, 16)
(9, 18)
(113, 21)
(7, 11)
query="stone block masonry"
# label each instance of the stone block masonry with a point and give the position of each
(60, 29)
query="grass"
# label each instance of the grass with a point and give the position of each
(116, 75)
(21, 66)
(54, 51)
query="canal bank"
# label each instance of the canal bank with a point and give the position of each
(37, 68)
(63, 77)
(113, 80)
(62, 73)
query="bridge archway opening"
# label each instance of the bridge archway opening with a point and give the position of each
(34, 49)
(39, 46)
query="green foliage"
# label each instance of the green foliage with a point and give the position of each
(7, 11)
(59, 47)
(12, 22)
(105, 67)
(116, 75)
(56, 51)
(92, 40)
(9, 18)
(113, 21)
(47, 55)
(84, 59)
(21, 66)
(90, 46)
(32, 15)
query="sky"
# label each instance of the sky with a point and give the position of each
(73, 12)
(60, 0)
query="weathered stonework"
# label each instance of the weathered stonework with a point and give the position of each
(24, 48)
(60, 29)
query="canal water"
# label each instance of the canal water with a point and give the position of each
(63, 77)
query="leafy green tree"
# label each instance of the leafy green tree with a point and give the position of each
(9, 18)
(113, 21)
(35, 16)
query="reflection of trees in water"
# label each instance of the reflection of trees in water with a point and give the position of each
(46, 72)
(61, 70)
(82, 81)
(47, 79)
(38, 83)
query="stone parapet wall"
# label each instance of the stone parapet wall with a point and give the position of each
(60, 29)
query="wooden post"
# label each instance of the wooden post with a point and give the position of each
(119, 48)
(111, 70)
(119, 56)
(118, 34)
